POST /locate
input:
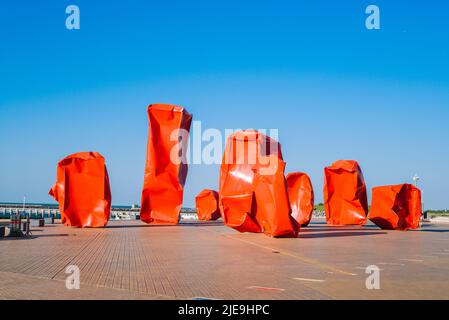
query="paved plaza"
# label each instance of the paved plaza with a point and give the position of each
(132, 260)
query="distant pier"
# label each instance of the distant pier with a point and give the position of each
(36, 211)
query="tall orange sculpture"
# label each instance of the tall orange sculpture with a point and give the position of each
(166, 164)
(396, 207)
(345, 199)
(82, 190)
(253, 194)
(300, 193)
(207, 205)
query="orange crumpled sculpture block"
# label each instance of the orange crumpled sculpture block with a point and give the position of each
(300, 193)
(166, 165)
(396, 207)
(82, 190)
(345, 198)
(207, 205)
(253, 193)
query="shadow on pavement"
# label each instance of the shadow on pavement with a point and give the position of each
(429, 230)
(334, 229)
(180, 225)
(337, 234)
(35, 237)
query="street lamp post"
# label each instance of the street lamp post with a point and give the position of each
(416, 179)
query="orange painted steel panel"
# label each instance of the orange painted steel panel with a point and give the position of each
(301, 196)
(345, 199)
(396, 207)
(166, 165)
(207, 205)
(82, 190)
(253, 192)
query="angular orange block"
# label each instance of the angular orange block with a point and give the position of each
(82, 190)
(396, 207)
(166, 164)
(253, 193)
(207, 205)
(345, 199)
(300, 193)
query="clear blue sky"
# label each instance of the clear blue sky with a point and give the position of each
(334, 89)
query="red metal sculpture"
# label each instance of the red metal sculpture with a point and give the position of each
(300, 193)
(166, 165)
(82, 190)
(253, 194)
(396, 207)
(207, 205)
(345, 199)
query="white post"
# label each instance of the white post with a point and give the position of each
(416, 178)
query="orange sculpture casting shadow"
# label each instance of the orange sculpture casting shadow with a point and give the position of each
(166, 165)
(396, 207)
(300, 194)
(82, 190)
(345, 199)
(253, 194)
(207, 205)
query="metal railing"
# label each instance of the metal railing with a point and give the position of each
(117, 212)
